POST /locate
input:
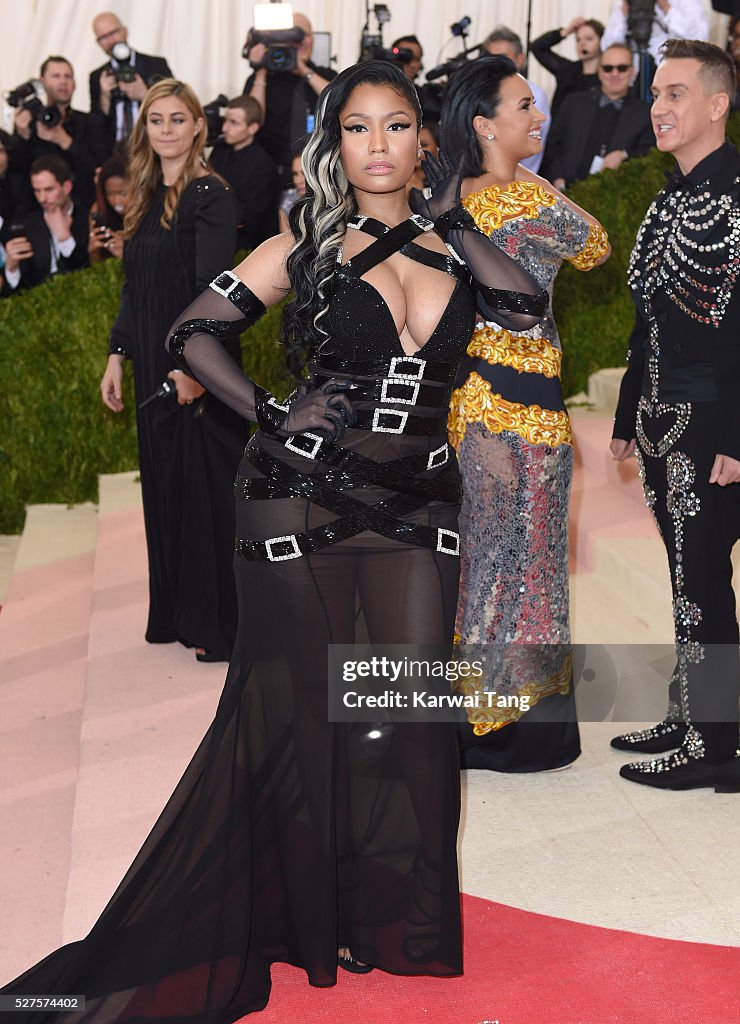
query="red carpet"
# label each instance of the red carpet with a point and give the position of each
(523, 968)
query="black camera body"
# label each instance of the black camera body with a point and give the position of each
(640, 22)
(124, 72)
(282, 47)
(395, 54)
(28, 96)
(214, 112)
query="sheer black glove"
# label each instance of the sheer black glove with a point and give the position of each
(505, 293)
(326, 411)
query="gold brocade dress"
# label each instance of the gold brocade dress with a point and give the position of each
(512, 433)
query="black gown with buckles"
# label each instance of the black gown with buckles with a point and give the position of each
(288, 835)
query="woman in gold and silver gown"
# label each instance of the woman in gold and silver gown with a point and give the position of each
(510, 427)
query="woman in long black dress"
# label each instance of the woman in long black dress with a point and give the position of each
(291, 838)
(181, 231)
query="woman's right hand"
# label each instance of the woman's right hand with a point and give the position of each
(326, 411)
(111, 384)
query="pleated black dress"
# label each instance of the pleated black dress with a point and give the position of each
(188, 454)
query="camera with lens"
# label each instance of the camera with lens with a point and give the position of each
(124, 72)
(31, 96)
(214, 112)
(640, 18)
(282, 47)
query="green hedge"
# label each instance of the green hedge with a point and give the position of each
(56, 436)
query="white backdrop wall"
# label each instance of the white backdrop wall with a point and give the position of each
(202, 39)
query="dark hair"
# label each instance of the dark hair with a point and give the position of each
(475, 91)
(406, 39)
(717, 70)
(54, 165)
(503, 34)
(593, 23)
(114, 167)
(55, 59)
(252, 109)
(319, 220)
(6, 140)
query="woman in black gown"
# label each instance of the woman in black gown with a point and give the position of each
(291, 838)
(181, 231)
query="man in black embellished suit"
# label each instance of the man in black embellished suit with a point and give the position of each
(679, 412)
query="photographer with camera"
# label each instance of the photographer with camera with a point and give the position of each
(118, 87)
(287, 97)
(671, 19)
(15, 194)
(58, 129)
(52, 239)
(410, 55)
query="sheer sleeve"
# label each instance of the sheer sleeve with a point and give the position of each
(227, 307)
(506, 292)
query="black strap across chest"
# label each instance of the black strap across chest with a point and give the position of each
(398, 239)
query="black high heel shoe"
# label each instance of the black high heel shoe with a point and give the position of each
(348, 963)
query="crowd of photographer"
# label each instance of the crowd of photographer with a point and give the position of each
(598, 118)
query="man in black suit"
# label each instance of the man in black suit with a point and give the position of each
(115, 100)
(252, 174)
(678, 412)
(78, 137)
(598, 130)
(55, 236)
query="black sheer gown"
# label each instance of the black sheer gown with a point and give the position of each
(288, 835)
(187, 454)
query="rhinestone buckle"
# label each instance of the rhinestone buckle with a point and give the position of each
(448, 542)
(389, 414)
(411, 386)
(314, 443)
(412, 361)
(295, 551)
(277, 405)
(223, 289)
(421, 222)
(439, 457)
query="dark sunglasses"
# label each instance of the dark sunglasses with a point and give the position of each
(621, 68)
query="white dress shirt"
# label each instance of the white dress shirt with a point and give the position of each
(685, 20)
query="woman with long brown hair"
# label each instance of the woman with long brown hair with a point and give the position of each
(180, 231)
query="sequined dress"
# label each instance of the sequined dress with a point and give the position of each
(512, 433)
(288, 835)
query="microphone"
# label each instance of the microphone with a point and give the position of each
(165, 390)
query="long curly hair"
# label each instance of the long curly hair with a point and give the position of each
(319, 220)
(144, 167)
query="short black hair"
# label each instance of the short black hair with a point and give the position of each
(717, 70)
(474, 91)
(55, 59)
(407, 39)
(55, 165)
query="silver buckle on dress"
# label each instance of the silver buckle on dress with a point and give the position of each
(400, 416)
(448, 542)
(422, 222)
(292, 442)
(235, 282)
(413, 361)
(273, 401)
(400, 382)
(438, 457)
(295, 551)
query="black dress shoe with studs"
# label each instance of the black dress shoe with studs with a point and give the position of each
(686, 768)
(658, 739)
